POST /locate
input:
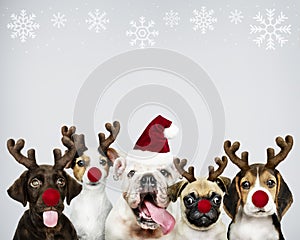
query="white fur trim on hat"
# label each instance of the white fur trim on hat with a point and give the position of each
(149, 158)
(171, 131)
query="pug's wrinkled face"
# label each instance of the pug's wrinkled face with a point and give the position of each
(145, 189)
(201, 204)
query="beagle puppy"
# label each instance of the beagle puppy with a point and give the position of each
(201, 203)
(258, 197)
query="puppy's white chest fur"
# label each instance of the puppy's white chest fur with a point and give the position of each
(89, 211)
(252, 228)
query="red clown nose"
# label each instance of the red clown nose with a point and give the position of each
(51, 197)
(94, 174)
(204, 206)
(260, 199)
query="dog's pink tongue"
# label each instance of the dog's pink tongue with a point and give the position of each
(161, 216)
(50, 218)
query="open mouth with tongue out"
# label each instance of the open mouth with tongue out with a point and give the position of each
(50, 218)
(151, 216)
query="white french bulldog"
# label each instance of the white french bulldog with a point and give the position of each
(143, 211)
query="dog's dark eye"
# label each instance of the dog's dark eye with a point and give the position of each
(35, 183)
(217, 200)
(131, 173)
(165, 173)
(270, 183)
(61, 182)
(102, 162)
(246, 185)
(189, 201)
(81, 163)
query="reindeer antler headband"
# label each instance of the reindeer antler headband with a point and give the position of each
(189, 175)
(30, 161)
(114, 130)
(272, 159)
(78, 139)
(104, 143)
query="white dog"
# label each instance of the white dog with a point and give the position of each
(143, 211)
(91, 168)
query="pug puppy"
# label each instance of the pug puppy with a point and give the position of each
(201, 203)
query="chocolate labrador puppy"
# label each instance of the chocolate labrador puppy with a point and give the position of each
(45, 187)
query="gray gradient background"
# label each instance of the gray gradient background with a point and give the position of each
(41, 80)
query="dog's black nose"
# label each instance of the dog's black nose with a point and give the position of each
(148, 181)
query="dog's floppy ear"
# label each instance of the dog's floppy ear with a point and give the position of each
(176, 189)
(73, 188)
(284, 198)
(112, 155)
(119, 167)
(232, 198)
(223, 183)
(18, 191)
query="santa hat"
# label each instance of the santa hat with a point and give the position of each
(152, 146)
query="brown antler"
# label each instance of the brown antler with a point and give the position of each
(230, 150)
(15, 150)
(77, 139)
(63, 161)
(179, 164)
(222, 165)
(65, 131)
(285, 145)
(104, 143)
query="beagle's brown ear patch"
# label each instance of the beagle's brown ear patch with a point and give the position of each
(223, 183)
(175, 190)
(232, 198)
(18, 191)
(284, 197)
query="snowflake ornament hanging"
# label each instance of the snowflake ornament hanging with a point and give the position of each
(23, 26)
(236, 16)
(203, 20)
(171, 18)
(97, 21)
(59, 20)
(270, 29)
(142, 33)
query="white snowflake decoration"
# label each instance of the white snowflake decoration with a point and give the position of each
(59, 20)
(203, 20)
(270, 29)
(171, 18)
(236, 16)
(23, 26)
(97, 21)
(142, 33)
